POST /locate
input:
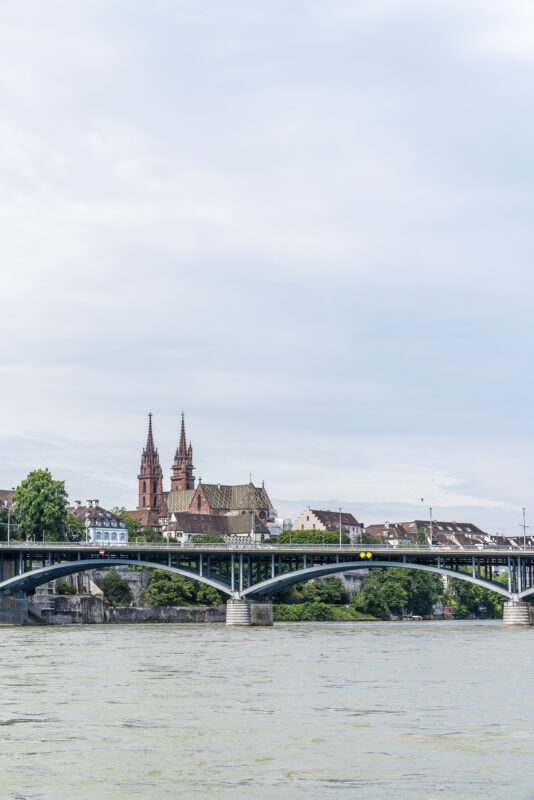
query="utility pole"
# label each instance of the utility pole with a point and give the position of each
(431, 529)
(340, 527)
(524, 526)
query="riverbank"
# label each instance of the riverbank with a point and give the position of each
(94, 610)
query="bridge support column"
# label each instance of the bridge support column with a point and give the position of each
(249, 612)
(516, 613)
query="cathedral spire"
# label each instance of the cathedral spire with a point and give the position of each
(182, 469)
(149, 440)
(182, 449)
(150, 475)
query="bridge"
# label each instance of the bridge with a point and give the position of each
(250, 574)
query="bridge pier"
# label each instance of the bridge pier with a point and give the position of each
(516, 613)
(249, 612)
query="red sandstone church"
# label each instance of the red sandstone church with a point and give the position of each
(206, 506)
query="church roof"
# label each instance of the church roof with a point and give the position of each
(244, 495)
(202, 523)
(180, 500)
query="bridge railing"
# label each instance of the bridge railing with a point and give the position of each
(262, 547)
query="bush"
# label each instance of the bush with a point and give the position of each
(116, 590)
(63, 587)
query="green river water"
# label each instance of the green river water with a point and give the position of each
(310, 710)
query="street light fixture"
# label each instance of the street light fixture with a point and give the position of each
(340, 527)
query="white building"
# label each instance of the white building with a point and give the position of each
(316, 520)
(101, 526)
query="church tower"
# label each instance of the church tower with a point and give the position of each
(182, 469)
(150, 475)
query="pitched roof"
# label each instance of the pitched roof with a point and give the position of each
(180, 500)
(6, 496)
(244, 495)
(146, 516)
(330, 519)
(202, 523)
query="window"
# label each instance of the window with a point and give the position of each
(144, 487)
(155, 487)
(199, 502)
(144, 501)
(99, 522)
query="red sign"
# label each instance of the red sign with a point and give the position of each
(101, 552)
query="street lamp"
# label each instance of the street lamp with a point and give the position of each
(431, 530)
(524, 526)
(340, 527)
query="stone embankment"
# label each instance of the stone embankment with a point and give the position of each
(80, 609)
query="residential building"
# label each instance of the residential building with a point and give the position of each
(101, 526)
(317, 520)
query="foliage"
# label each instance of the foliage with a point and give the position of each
(116, 589)
(63, 587)
(312, 537)
(394, 591)
(75, 528)
(421, 536)
(168, 589)
(210, 537)
(148, 534)
(312, 612)
(133, 524)
(466, 598)
(13, 529)
(41, 507)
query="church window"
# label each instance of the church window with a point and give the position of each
(144, 487)
(144, 501)
(199, 502)
(155, 486)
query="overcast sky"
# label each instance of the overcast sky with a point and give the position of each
(308, 225)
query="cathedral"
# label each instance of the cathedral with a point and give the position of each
(206, 501)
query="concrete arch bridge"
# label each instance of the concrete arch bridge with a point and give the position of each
(251, 574)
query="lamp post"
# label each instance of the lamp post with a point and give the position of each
(524, 526)
(431, 530)
(340, 527)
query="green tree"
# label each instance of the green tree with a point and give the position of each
(168, 589)
(63, 587)
(150, 535)
(133, 524)
(421, 536)
(312, 537)
(75, 528)
(116, 589)
(41, 504)
(332, 591)
(210, 537)
(13, 528)
(208, 595)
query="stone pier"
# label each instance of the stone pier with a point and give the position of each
(249, 612)
(516, 613)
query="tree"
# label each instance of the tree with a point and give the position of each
(421, 536)
(75, 528)
(63, 587)
(150, 535)
(6, 517)
(312, 537)
(41, 504)
(210, 537)
(116, 590)
(166, 589)
(133, 524)
(208, 595)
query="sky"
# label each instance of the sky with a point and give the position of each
(307, 225)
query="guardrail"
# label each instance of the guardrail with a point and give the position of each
(262, 547)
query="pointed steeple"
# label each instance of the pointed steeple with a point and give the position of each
(182, 469)
(149, 439)
(150, 475)
(182, 449)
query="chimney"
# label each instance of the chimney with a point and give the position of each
(88, 503)
(77, 504)
(95, 503)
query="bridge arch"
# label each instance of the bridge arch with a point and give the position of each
(273, 585)
(28, 581)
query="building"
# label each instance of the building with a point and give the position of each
(186, 496)
(316, 520)
(101, 525)
(390, 533)
(183, 525)
(6, 498)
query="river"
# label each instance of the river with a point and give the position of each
(311, 710)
